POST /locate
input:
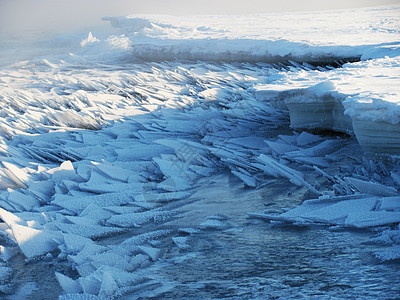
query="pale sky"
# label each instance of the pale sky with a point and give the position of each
(61, 15)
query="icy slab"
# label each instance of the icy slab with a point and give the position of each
(68, 285)
(359, 211)
(89, 231)
(274, 168)
(372, 188)
(33, 242)
(371, 218)
(306, 138)
(136, 219)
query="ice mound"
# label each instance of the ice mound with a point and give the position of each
(367, 108)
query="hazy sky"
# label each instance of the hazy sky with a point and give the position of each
(60, 15)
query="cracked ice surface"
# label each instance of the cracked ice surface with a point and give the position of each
(115, 173)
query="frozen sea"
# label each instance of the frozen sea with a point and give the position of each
(203, 158)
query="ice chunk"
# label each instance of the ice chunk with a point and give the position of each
(16, 174)
(294, 176)
(10, 218)
(6, 253)
(321, 149)
(214, 224)
(96, 213)
(306, 138)
(162, 197)
(89, 231)
(108, 286)
(136, 219)
(391, 253)
(4, 272)
(181, 241)
(74, 243)
(78, 204)
(362, 219)
(371, 188)
(90, 284)
(64, 171)
(79, 297)
(390, 203)
(87, 251)
(67, 284)
(154, 253)
(110, 258)
(33, 242)
(331, 211)
(280, 148)
(114, 172)
(24, 201)
(248, 180)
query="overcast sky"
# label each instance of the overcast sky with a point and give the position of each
(60, 15)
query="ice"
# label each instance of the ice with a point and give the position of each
(89, 231)
(88, 250)
(6, 253)
(360, 219)
(68, 285)
(114, 172)
(181, 242)
(4, 272)
(103, 144)
(109, 286)
(10, 218)
(306, 138)
(248, 180)
(22, 201)
(79, 297)
(280, 148)
(279, 169)
(371, 188)
(136, 219)
(78, 204)
(153, 253)
(74, 243)
(33, 242)
(90, 284)
(17, 175)
(390, 203)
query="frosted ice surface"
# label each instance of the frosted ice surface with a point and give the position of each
(372, 188)
(390, 203)
(364, 219)
(33, 242)
(89, 231)
(67, 284)
(74, 243)
(10, 218)
(79, 297)
(280, 148)
(306, 138)
(136, 219)
(78, 204)
(109, 286)
(154, 253)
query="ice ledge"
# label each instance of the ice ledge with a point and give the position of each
(313, 109)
